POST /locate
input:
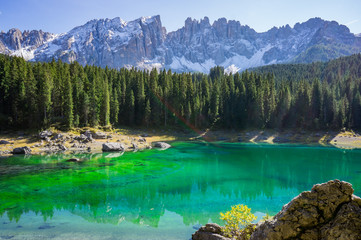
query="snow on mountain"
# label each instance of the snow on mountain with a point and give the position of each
(197, 47)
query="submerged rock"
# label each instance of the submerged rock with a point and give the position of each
(22, 150)
(112, 147)
(161, 145)
(328, 211)
(73, 160)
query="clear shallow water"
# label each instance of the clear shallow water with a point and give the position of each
(158, 194)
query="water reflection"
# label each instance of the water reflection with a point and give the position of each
(193, 180)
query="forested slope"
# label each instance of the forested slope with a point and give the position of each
(313, 96)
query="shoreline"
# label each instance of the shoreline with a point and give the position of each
(73, 141)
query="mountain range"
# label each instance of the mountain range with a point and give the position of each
(198, 46)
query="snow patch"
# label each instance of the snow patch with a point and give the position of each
(182, 64)
(231, 69)
(149, 64)
(25, 53)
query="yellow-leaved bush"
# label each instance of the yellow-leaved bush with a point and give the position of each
(237, 220)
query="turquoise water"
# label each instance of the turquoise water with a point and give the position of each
(159, 194)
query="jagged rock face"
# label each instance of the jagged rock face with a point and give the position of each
(328, 211)
(18, 43)
(197, 46)
(112, 43)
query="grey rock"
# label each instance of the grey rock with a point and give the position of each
(45, 134)
(112, 147)
(99, 135)
(22, 150)
(135, 146)
(2, 153)
(89, 136)
(210, 231)
(161, 145)
(4, 142)
(73, 160)
(328, 211)
(62, 147)
(142, 139)
(81, 138)
(57, 136)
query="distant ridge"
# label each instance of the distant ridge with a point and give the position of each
(198, 46)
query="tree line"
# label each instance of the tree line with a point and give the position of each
(37, 95)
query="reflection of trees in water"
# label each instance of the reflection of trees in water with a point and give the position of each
(194, 180)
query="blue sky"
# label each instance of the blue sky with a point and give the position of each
(62, 15)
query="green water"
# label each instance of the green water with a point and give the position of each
(158, 194)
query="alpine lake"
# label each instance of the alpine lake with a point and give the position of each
(154, 194)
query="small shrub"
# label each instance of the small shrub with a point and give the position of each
(238, 221)
(266, 217)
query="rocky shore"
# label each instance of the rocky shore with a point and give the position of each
(48, 142)
(328, 211)
(83, 140)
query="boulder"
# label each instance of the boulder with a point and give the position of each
(62, 147)
(22, 150)
(211, 231)
(99, 135)
(3, 153)
(73, 160)
(328, 211)
(135, 146)
(113, 147)
(142, 139)
(4, 142)
(161, 145)
(57, 136)
(88, 134)
(45, 134)
(81, 138)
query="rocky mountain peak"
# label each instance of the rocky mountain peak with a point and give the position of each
(197, 46)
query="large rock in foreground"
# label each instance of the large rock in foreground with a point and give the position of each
(113, 147)
(328, 211)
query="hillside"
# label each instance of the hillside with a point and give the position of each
(37, 95)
